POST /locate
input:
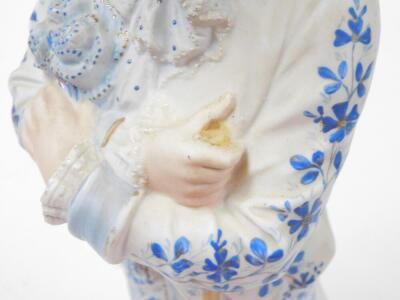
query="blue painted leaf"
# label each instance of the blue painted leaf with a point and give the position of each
(228, 274)
(342, 38)
(275, 256)
(300, 162)
(282, 217)
(288, 206)
(368, 72)
(181, 265)
(216, 277)
(234, 262)
(209, 266)
(259, 248)
(299, 257)
(302, 210)
(338, 136)
(294, 226)
(342, 70)
(309, 177)
(361, 90)
(359, 72)
(158, 251)
(309, 114)
(182, 246)
(303, 233)
(220, 256)
(327, 73)
(363, 11)
(293, 270)
(329, 124)
(277, 282)
(253, 261)
(330, 89)
(356, 25)
(318, 158)
(338, 160)
(264, 290)
(365, 38)
(353, 13)
(340, 109)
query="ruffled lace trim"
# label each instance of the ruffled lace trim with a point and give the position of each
(80, 42)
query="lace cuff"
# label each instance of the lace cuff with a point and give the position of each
(122, 148)
(67, 180)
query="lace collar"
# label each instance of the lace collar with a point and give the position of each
(177, 31)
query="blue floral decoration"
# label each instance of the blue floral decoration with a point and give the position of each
(260, 256)
(222, 268)
(178, 264)
(313, 166)
(343, 123)
(357, 33)
(307, 217)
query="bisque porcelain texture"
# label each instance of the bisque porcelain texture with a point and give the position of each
(273, 89)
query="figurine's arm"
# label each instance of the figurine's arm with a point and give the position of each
(176, 163)
(24, 83)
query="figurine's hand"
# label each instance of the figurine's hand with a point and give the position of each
(190, 170)
(52, 125)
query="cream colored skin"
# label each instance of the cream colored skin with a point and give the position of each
(176, 162)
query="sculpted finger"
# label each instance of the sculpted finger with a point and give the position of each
(212, 157)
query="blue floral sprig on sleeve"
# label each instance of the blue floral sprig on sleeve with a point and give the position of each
(312, 167)
(177, 263)
(223, 268)
(357, 32)
(304, 217)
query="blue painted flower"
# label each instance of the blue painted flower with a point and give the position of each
(223, 268)
(178, 264)
(337, 79)
(361, 77)
(304, 280)
(344, 123)
(307, 217)
(313, 167)
(260, 255)
(356, 26)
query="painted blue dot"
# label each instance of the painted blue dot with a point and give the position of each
(141, 27)
(136, 88)
(129, 61)
(174, 22)
(173, 48)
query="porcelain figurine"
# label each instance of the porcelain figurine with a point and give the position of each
(197, 141)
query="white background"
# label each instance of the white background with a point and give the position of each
(38, 261)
